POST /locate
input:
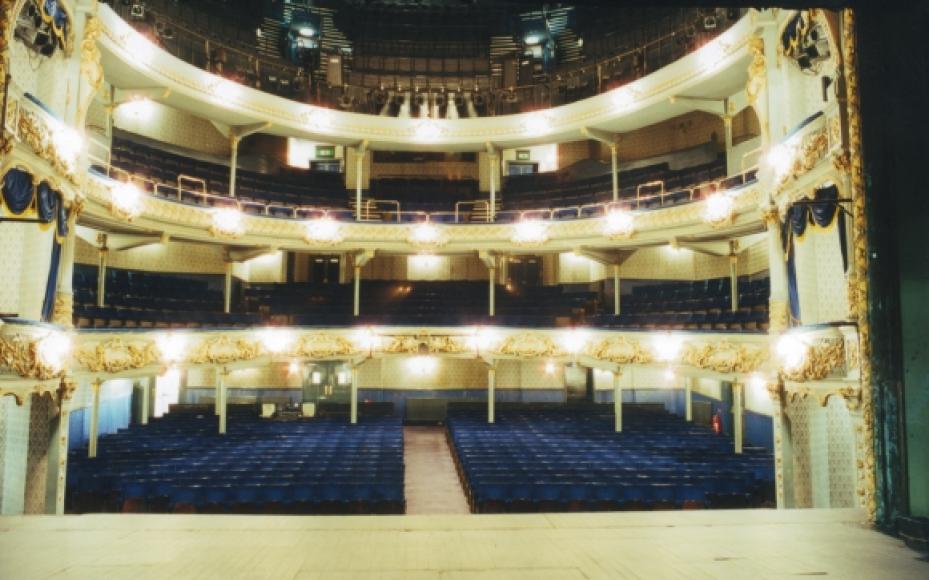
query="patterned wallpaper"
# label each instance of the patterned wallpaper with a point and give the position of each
(33, 274)
(174, 257)
(754, 259)
(37, 454)
(820, 277)
(14, 442)
(11, 262)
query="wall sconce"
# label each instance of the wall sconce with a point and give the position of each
(228, 223)
(323, 231)
(718, 209)
(172, 347)
(529, 233)
(52, 350)
(619, 223)
(126, 201)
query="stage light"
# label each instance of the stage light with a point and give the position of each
(422, 365)
(275, 340)
(172, 347)
(792, 351)
(623, 98)
(780, 158)
(711, 55)
(718, 209)
(427, 131)
(537, 124)
(68, 143)
(529, 232)
(573, 341)
(619, 223)
(531, 39)
(52, 350)
(307, 31)
(324, 231)
(667, 346)
(228, 222)
(126, 200)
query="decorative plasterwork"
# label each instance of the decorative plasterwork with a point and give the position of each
(19, 353)
(36, 132)
(314, 346)
(725, 357)
(757, 71)
(223, 349)
(425, 343)
(850, 392)
(63, 310)
(529, 345)
(116, 355)
(823, 358)
(621, 350)
(91, 69)
(812, 149)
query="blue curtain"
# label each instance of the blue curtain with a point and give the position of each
(48, 306)
(17, 190)
(821, 212)
(47, 205)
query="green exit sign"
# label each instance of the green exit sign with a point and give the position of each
(522, 155)
(325, 151)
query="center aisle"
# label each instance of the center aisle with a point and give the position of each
(431, 484)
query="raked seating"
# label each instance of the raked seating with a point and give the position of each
(571, 459)
(181, 463)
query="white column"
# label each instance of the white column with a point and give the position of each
(727, 123)
(737, 412)
(94, 418)
(221, 393)
(492, 292)
(101, 274)
(689, 398)
(227, 289)
(494, 165)
(63, 312)
(356, 304)
(616, 289)
(618, 400)
(491, 393)
(233, 163)
(146, 399)
(58, 458)
(778, 310)
(614, 158)
(359, 169)
(783, 456)
(734, 281)
(354, 398)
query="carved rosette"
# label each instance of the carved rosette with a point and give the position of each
(529, 345)
(822, 359)
(223, 350)
(115, 356)
(621, 350)
(424, 343)
(725, 357)
(324, 346)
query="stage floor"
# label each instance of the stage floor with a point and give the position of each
(696, 544)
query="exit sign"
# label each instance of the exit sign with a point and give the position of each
(325, 151)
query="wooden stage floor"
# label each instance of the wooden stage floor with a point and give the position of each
(696, 544)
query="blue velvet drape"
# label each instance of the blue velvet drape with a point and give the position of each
(17, 190)
(821, 212)
(47, 202)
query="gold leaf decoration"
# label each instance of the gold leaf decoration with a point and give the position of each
(725, 357)
(223, 350)
(529, 345)
(325, 346)
(115, 356)
(621, 350)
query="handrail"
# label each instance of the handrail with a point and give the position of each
(182, 177)
(476, 203)
(169, 190)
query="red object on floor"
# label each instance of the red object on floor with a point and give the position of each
(717, 423)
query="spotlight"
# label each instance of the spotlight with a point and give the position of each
(792, 351)
(172, 347)
(619, 223)
(53, 349)
(529, 232)
(276, 340)
(718, 209)
(228, 222)
(126, 200)
(324, 230)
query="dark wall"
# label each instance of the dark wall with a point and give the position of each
(894, 75)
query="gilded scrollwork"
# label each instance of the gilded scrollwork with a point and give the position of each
(812, 149)
(778, 315)
(529, 345)
(822, 359)
(20, 354)
(63, 310)
(36, 133)
(725, 357)
(324, 346)
(621, 350)
(757, 74)
(424, 343)
(223, 350)
(115, 356)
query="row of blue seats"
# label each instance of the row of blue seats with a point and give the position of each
(572, 459)
(180, 462)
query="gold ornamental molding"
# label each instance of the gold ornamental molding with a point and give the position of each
(725, 357)
(223, 350)
(33, 129)
(529, 345)
(621, 350)
(850, 393)
(822, 359)
(757, 73)
(116, 355)
(63, 310)
(320, 346)
(20, 354)
(813, 148)
(425, 343)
